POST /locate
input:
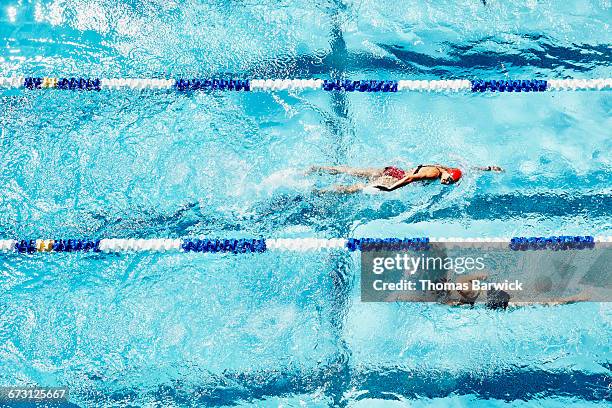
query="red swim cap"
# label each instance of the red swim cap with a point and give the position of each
(455, 174)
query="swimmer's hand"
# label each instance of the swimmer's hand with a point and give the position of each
(382, 188)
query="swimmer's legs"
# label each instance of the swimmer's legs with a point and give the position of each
(341, 189)
(352, 171)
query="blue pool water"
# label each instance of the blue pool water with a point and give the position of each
(284, 328)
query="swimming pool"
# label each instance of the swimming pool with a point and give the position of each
(192, 329)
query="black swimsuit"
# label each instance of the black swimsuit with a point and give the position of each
(420, 166)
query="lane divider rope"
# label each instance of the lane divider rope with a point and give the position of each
(289, 244)
(213, 84)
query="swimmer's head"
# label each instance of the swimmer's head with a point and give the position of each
(450, 176)
(497, 299)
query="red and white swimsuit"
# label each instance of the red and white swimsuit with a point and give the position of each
(394, 172)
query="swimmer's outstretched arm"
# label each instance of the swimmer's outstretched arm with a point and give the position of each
(400, 183)
(581, 297)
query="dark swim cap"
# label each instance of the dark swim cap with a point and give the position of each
(497, 299)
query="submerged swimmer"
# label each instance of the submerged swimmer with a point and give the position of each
(496, 299)
(391, 178)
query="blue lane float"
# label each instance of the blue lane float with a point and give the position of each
(224, 245)
(552, 243)
(259, 245)
(509, 86)
(387, 244)
(328, 85)
(60, 245)
(83, 84)
(212, 85)
(360, 86)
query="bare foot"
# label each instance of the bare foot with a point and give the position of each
(583, 296)
(496, 169)
(325, 191)
(313, 169)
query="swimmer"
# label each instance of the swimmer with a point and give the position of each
(495, 299)
(500, 300)
(391, 178)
